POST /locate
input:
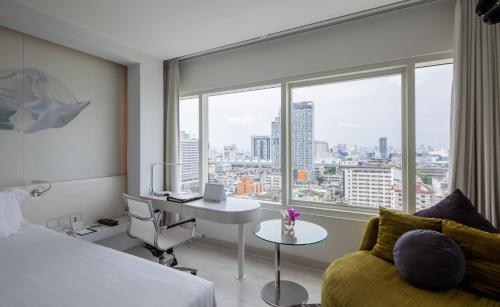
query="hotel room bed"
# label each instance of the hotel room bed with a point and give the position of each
(39, 267)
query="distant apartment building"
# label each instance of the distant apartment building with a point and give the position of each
(423, 197)
(248, 187)
(368, 186)
(190, 162)
(260, 147)
(303, 137)
(230, 152)
(382, 147)
(275, 143)
(272, 181)
(321, 152)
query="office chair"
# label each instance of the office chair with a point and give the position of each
(159, 240)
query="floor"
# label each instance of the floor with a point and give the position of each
(219, 265)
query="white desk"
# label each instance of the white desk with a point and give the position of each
(234, 211)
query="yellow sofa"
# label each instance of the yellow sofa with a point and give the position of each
(361, 279)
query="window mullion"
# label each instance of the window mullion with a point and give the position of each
(203, 126)
(409, 157)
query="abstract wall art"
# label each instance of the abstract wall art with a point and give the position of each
(32, 100)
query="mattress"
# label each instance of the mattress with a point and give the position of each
(40, 267)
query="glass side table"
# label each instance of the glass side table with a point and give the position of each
(284, 292)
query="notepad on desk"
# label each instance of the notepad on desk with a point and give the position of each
(183, 197)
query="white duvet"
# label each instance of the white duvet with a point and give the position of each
(39, 267)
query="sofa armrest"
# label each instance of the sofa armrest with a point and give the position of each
(370, 236)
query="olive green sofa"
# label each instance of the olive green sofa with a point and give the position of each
(361, 279)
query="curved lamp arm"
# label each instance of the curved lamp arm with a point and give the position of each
(37, 192)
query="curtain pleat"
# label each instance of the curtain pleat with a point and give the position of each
(475, 139)
(171, 124)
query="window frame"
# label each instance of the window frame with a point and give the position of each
(405, 67)
(384, 72)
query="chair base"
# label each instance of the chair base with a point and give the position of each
(172, 262)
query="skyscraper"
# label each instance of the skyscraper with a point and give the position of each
(303, 136)
(382, 147)
(260, 147)
(275, 143)
(190, 162)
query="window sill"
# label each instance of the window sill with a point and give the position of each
(335, 212)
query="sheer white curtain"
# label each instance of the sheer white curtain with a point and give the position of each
(475, 140)
(171, 122)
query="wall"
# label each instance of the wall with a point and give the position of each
(416, 31)
(42, 138)
(84, 156)
(144, 79)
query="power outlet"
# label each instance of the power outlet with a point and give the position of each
(64, 222)
(75, 218)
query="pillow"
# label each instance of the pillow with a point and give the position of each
(11, 218)
(482, 258)
(392, 225)
(430, 260)
(457, 207)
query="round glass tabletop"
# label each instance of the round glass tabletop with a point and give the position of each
(303, 233)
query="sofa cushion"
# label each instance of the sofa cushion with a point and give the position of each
(392, 225)
(430, 260)
(361, 279)
(457, 207)
(482, 255)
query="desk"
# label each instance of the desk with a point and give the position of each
(238, 211)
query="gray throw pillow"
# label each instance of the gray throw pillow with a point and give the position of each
(430, 260)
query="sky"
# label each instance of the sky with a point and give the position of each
(355, 112)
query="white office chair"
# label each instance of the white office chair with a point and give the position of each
(159, 240)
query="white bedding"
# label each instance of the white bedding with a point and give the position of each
(39, 267)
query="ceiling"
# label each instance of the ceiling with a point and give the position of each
(171, 28)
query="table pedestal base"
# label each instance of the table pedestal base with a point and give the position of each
(289, 293)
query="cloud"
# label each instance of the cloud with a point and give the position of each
(243, 119)
(349, 125)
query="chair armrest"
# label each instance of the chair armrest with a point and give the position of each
(191, 220)
(371, 235)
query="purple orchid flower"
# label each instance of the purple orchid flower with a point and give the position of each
(293, 214)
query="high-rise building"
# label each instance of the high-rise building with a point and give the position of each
(382, 147)
(230, 152)
(321, 151)
(303, 136)
(275, 143)
(190, 162)
(260, 147)
(369, 186)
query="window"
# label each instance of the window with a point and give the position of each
(432, 115)
(346, 142)
(244, 143)
(189, 142)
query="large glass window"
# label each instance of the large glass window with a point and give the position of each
(244, 143)
(190, 144)
(346, 142)
(432, 114)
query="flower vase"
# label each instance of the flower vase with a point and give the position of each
(289, 224)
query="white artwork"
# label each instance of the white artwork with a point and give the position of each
(32, 100)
